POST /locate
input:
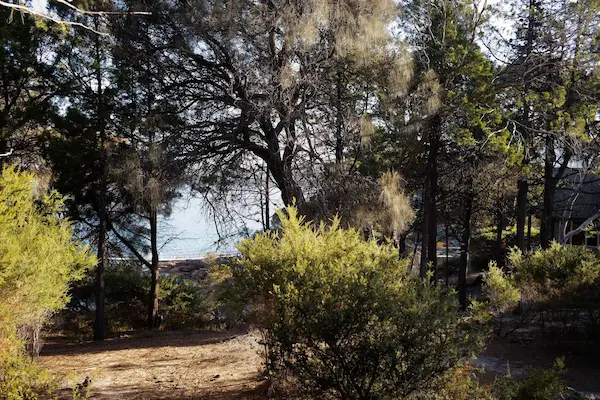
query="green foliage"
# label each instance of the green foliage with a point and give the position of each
(343, 315)
(503, 294)
(460, 383)
(183, 302)
(21, 378)
(38, 261)
(126, 297)
(538, 385)
(557, 271)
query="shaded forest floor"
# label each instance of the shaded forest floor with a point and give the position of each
(221, 365)
(163, 365)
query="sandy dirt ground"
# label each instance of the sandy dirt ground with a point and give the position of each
(220, 366)
(164, 365)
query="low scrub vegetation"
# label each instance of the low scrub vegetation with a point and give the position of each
(559, 273)
(38, 261)
(184, 303)
(344, 317)
(554, 289)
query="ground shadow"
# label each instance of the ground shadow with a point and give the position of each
(137, 340)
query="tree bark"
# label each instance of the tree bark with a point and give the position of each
(523, 184)
(432, 174)
(424, 232)
(464, 249)
(154, 284)
(549, 188)
(99, 323)
(267, 199)
(499, 228)
(290, 191)
(551, 181)
(522, 206)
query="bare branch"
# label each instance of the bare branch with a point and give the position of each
(49, 17)
(581, 227)
(7, 154)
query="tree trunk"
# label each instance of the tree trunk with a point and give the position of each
(447, 233)
(99, 326)
(523, 184)
(499, 228)
(522, 206)
(290, 191)
(549, 189)
(464, 250)
(551, 181)
(432, 177)
(529, 232)
(154, 285)
(267, 199)
(99, 323)
(402, 245)
(424, 232)
(339, 140)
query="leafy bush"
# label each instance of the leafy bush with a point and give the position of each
(38, 261)
(460, 383)
(555, 272)
(345, 318)
(502, 296)
(540, 384)
(501, 290)
(182, 301)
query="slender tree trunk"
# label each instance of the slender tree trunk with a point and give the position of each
(523, 184)
(549, 188)
(499, 228)
(402, 245)
(267, 199)
(99, 323)
(424, 232)
(290, 191)
(339, 140)
(154, 285)
(447, 254)
(522, 206)
(529, 232)
(464, 250)
(432, 174)
(99, 326)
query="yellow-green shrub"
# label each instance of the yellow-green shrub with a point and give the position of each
(555, 272)
(38, 261)
(502, 296)
(344, 317)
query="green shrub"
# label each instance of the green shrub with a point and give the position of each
(182, 302)
(345, 318)
(501, 290)
(556, 272)
(459, 383)
(38, 261)
(540, 384)
(502, 296)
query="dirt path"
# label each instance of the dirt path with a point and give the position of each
(220, 366)
(166, 365)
